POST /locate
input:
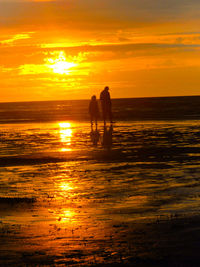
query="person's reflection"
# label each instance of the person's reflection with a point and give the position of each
(95, 136)
(107, 137)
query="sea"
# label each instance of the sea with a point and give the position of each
(66, 186)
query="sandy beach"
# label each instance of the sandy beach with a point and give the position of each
(164, 242)
(129, 199)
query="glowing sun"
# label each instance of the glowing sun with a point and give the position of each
(59, 64)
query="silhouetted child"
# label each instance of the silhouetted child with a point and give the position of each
(93, 110)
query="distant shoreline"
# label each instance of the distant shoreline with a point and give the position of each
(86, 99)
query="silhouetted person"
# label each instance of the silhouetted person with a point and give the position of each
(107, 137)
(93, 110)
(106, 104)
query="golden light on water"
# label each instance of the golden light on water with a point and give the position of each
(65, 133)
(67, 214)
(64, 186)
(64, 124)
(63, 149)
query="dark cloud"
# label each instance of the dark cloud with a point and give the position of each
(96, 15)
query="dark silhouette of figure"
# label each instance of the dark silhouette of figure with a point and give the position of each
(95, 135)
(107, 137)
(93, 110)
(106, 104)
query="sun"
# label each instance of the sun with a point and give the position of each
(62, 67)
(59, 64)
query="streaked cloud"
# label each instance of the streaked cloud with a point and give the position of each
(16, 37)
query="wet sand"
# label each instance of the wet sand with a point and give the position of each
(165, 242)
(133, 203)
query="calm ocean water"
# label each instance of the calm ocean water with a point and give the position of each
(55, 173)
(160, 108)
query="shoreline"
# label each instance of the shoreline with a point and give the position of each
(172, 242)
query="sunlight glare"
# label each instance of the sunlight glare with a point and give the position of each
(66, 215)
(59, 64)
(65, 186)
(65, 134)
(64, 125)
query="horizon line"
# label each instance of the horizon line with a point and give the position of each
(87, 99)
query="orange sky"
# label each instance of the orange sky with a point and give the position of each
(72, 49)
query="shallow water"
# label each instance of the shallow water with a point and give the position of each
(65, 191)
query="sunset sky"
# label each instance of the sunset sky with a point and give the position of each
(71, 49)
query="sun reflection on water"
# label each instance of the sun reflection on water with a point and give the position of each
(64, 186)
(65, 133)
(66, 215)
